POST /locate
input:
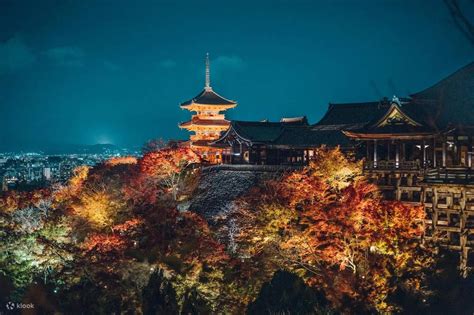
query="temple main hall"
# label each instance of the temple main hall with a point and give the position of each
(417, 149)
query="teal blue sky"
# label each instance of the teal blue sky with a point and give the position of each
(84, 72)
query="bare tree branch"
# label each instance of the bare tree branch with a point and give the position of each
(461, 21)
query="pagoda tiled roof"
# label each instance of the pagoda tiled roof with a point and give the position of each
(202, 143)
(206, 122)
(208, 97)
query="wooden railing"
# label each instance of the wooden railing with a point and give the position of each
(392, 165)
(450, 174)
(250, 167)
(453, 173)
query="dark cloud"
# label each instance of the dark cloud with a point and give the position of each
(112, 66)
(232, 62)
(138, 61)
(67, 56)
(15, 54)
(168, 63)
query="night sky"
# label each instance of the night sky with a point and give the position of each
(86, 72)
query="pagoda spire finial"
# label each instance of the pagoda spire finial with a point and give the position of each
(208, 73)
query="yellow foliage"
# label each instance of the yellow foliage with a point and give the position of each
(80, 175)
(97, 207)
(121, 160)
(335, 167)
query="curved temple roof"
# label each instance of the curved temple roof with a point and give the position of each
(450, 102)
(208, 97)
(446, 105)
(294, 132)
(205, 122)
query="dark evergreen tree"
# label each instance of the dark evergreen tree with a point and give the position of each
(452, 293)
(89, 298)
(286, 293)
(194, 304)
(159, 296)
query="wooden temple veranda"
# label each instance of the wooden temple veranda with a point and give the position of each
(417, 149)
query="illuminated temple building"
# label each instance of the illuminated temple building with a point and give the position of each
(208, 121)
(418, 150)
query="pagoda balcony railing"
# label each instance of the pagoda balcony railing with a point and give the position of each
(392, 165)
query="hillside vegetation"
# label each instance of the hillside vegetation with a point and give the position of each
(158, 236)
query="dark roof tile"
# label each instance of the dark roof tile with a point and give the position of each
(353, 113)
(450, 102)
(209, 97)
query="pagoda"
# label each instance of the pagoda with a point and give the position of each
(209, 121)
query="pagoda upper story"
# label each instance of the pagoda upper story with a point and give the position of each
(209, 120)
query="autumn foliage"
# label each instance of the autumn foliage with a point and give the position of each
(116, 226)
(165, 171)
(330, 226)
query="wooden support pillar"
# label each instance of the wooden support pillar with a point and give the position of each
(410, 184)
(444, 153)
(424, 153)
(388, 150)
(375, 153)
(463, 261)
(410, 180)
(457, 152)
(398, 192)
(463, 237)
(469, 153)
(397, 154)
(434, 152)
(434, 217)
(241, 155)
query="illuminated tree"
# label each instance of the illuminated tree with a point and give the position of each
(115, 225)
(331, 227)
(35, 243)
(97, 207)
(121, 160)
(168, 168)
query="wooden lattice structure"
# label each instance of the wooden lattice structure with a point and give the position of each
(420, 150)
(417, 149)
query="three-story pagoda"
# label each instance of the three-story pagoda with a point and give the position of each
(208, 121)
